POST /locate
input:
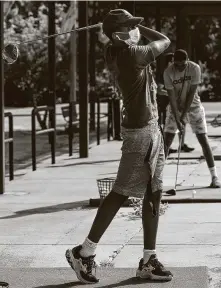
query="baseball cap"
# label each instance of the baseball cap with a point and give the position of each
(180, 55)
(119, 17)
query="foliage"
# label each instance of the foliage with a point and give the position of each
(137, 204)
(26, 81)
(29, 74)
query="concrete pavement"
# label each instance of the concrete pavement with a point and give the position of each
(44, 212)
(110, 278)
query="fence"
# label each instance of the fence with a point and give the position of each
(51, 131)
(109, 116)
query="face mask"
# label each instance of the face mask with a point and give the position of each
(132, 37)
(135, 35)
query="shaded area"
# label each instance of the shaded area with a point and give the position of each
(50, 209)
(65, 285)
(128, 282)
(22, 147)
(194, 277)
(86, 163)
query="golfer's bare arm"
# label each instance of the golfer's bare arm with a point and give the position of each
(189, 99)
(158, 42)
(173, 104)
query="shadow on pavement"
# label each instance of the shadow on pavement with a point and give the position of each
(50, 209)
(127, 282)
(85, 163)
(65, 285)
(183, 188)
(131, 281)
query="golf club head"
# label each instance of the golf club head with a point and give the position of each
(4, 284)
(171, 192)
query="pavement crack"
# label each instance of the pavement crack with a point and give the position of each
(115, 253)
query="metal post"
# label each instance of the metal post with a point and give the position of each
(2, 115)
(109, 119)
(181, 29)
(33, 142)
(70, 128)
(52, 75)
(98, 121)
(178, 28)
(11, 149)
(117, 119)
(73, 81)
(53, 146)
(83, 79)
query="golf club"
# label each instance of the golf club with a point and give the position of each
(10, 52)
(172, 192)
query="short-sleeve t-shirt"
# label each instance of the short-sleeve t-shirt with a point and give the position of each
(173, 79)
(130, 64)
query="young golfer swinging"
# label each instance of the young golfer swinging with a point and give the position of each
(181, 79)
(142, 161)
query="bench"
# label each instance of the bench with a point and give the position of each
(216, 121)
(65, 113)
(108, 115)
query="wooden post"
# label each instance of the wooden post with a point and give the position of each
(73, 66)
(52, 72)
(83, 79)
(182, 29)
(92, 72)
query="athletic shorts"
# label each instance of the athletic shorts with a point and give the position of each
(142, 161)
(195, 117)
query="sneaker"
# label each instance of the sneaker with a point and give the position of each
(215, 183)
(153, 270)
(186, 148)
(82, 265)
(171, 192)
(171, 150)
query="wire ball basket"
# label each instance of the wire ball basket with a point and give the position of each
(105, 185)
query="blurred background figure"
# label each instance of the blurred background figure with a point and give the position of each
(163, 101)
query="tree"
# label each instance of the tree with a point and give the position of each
(29, 74)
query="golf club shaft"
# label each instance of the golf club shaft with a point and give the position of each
(178, 161)
(58, 34)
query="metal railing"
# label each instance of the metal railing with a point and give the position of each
(10, 142)
(51, 131)
(109, 115)
(71, 125)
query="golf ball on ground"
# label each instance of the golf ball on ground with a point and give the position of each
(193, 193)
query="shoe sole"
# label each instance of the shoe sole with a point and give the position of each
(153, 277)
(75, 265)
(214, 186)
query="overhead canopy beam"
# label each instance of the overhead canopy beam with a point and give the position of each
(168, 9)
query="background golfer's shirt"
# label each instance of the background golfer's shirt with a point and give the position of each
(130, 65)
(173, 79)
